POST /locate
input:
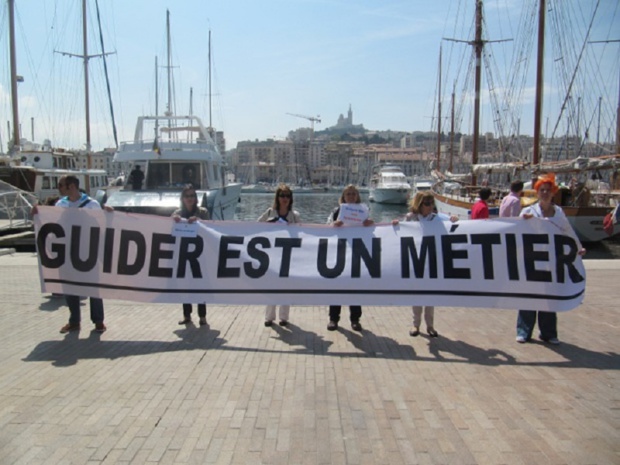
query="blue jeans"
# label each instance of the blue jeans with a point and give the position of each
(547, 324)
(96, 309)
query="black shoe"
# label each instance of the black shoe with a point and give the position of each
(332, 326)
(185, 321)
(414, 332)
(432, 333)
(356, 325)
(203, 321)
(268, 323)
(283, 323)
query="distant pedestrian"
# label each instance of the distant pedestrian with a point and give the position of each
(511, 204)
(350, 195)
(136, 178)
(480, 210)
(422, 208)
(280, 212)
(192, 212)
(545, 188)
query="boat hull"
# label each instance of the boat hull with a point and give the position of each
(221, 202)
(586, 221)
(390, 195)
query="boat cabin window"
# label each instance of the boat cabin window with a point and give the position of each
(188, 173)
(46, 183)
(174, 175)
(158, 176)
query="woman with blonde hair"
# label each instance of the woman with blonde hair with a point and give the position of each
(349, 195)
(280, 212)
(422, 208)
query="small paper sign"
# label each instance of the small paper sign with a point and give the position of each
(184, 229)
(353, 213)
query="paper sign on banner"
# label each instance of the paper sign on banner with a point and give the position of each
(353, 213)
(185, 229)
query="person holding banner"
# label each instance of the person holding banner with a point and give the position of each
(191, 211)
(282, 213)
(545, 188)
(422, 208)
(350, 211)
(72, 197)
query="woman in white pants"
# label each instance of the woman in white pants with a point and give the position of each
(422, 208)
(281, 212)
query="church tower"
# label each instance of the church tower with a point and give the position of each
(350, 116)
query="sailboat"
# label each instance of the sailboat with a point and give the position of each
(584, 204)
(174, 151)
(36, 168)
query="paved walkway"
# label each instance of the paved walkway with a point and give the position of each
(150, 392)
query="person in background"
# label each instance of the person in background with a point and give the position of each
(545, 188)
(480, 210)
(422, 208)
(511, 204)
(191, 211)
(350, 194)
(72, 197)
(136, 178)
(281, 212)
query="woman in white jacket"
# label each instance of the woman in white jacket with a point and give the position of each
(545, 188)
(281, 212)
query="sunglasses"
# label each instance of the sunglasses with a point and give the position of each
(428, 203)
(284, 196)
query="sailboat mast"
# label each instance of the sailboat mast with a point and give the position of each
(539, 84)
(156, 97)
(210, 120)
(14, 102)
(86, 96)
(169, 67)
(439, 114)
(478, 44)
(450, 167)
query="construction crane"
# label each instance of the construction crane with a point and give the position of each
(312, 119)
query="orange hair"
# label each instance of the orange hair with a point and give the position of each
(547, 178)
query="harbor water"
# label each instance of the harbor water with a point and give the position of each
(313, 208)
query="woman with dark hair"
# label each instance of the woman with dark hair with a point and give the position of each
(422, 208)
(349, 195)
(280, 212)
(545, 188)
(191, 211)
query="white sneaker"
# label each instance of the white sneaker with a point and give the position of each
(521, 339)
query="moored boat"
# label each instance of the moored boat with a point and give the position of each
(388, 184)
(181, 153)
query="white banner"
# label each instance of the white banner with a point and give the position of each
(499, 263)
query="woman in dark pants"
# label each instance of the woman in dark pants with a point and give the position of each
(545, 188)
(350, 194)
(191, 211)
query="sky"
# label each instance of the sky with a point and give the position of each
(271, 58)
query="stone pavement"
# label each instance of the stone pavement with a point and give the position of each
(150, 392)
